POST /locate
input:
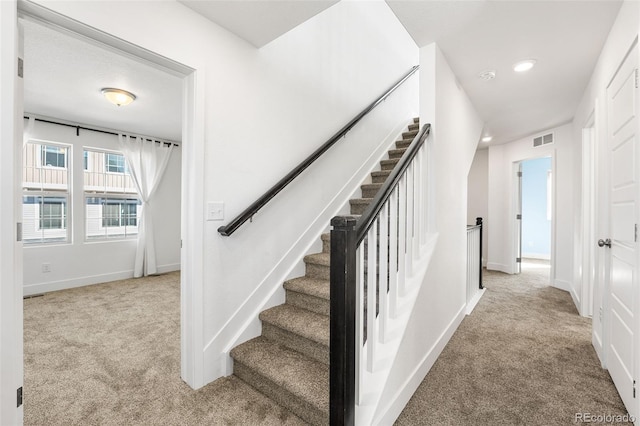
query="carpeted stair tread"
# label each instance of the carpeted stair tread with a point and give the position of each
(300, 321)
(410, 134)
(318, 259)
(380, 176)
(389, 164)
(416, 119)
(369, 190)
(297, 374)
(414, 126)
(403, 144)
(310, 286)
(396, 153)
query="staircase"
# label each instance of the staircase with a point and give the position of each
(289, 362)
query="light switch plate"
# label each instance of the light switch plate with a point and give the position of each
(215, 211)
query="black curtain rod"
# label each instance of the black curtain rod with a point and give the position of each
(94, 130)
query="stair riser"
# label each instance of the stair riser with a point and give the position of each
(369, 192)
(326, 246)
(414, 126)
(312, 349)
(379, 178)
(321, 272)
(358, 208)
(409, 135)
(396, 153)
(295, 404)
(403, 144)
(388, 164)
(308, 302)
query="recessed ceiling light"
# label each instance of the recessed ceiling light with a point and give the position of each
(487, 139)
(525, 65)
(487, 75)
(118, 96)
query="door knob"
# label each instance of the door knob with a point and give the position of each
(606, 242)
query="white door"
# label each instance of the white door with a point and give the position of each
(622, 292)
(11, 411)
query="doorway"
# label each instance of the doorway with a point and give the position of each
(192, 206)
(535, 214)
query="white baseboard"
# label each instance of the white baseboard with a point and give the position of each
(474, 301)
(491, 266)
(562, 285)
(408, 388)
(39, 288)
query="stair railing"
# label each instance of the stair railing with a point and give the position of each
(370, 258)
(250, 211)
(474, 259)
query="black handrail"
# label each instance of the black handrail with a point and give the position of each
(282, 183)
(371, 212)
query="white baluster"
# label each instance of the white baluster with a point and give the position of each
(402, 232)
(393, 253)
(384, 268)
(371, 295)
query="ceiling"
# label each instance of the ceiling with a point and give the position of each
(64, 73)
(258, 21)
(564, 37)
(63, 76)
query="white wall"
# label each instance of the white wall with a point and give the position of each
(81, 262)
(262, 112)
(441, 303)
(502, 201)
(621, 36)
(11, 339)
(478, 196)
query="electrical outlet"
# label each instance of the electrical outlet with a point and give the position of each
(46, 267)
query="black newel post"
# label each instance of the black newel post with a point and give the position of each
(479, 223)
(342, 357)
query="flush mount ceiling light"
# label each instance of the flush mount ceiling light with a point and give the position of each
(525, 65)
(487, 139)
(487, 75)
(118, 96)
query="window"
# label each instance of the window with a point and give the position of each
(115, 163)
(52, 213)
(53, 156)
(85, 160)
(45, 186)
(111, 217)
(112, 207)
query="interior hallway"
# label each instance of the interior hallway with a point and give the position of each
(524, 356)
(110, 354)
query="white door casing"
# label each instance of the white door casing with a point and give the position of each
(588, 210)
(11, 105)
(622, 290)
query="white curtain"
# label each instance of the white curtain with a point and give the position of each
(147, 162)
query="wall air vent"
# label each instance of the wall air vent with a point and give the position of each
(543, 140)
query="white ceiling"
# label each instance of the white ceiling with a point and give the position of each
(63, 75)
(258, 21)
(565, 37)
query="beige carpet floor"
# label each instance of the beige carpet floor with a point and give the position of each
(109, 354)
(523, 357)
